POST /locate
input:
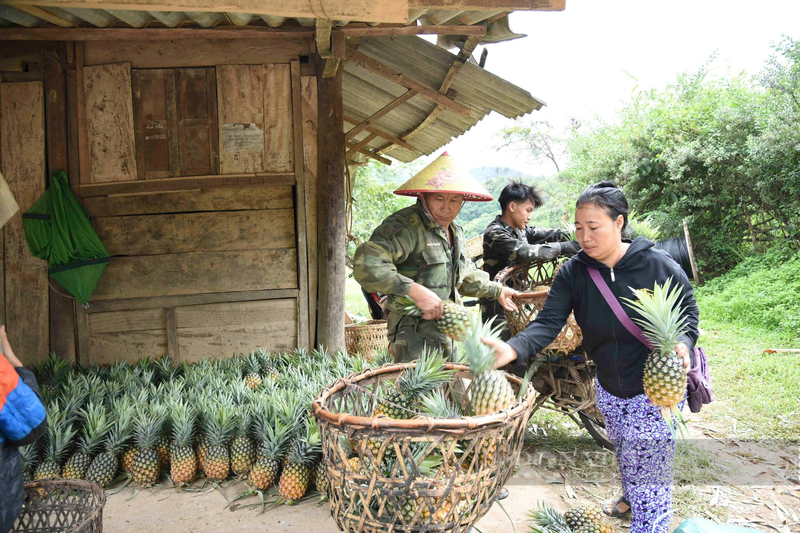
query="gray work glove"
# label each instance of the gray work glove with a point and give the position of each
(569, 248)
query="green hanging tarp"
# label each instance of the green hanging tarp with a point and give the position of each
(58, 231)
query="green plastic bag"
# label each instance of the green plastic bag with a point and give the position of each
(701, 525)
(58, 231)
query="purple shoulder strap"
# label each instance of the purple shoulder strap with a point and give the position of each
(612, 302)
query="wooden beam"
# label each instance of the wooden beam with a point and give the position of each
(194, 182)
(331, 207)
(300, 208)
(462, 57)
(378, 114)
(368, 139)
(323, 37)
(401, 79)
(367, 11)
(386, 135)
(371, 154)
(129, 304)
(45, 15)
(337, 55)
(147, 34)
(438, 110)
(353, 30)
(489, 5)
(83, 126)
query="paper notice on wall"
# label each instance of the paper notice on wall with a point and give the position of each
(242, 138)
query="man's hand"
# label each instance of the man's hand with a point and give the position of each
(505, 353)
(570, 248)
(683, 353)
(505, 299)
(427, 300)
(7, 351)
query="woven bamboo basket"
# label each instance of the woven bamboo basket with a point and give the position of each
(375, 466)
(538, 276)
(366, 338)
(61, 505)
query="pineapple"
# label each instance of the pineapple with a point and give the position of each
(595, 527)
(243, 450)
(252, 366)
(58, 435)
(29, 454)
(147, 427)
(95, 427)
(52, 374)
(547, 520)
(453, 322)
(436, 405)
(163, 448)
(578, 517)
(218, 427)
(267, 363)
(490, 390)
(274, 436)
(127, 459)
(320, 476)
(104, 466)
(184, 462)
(663, 325)
(297, 473)
(410, 506)
(427, 375)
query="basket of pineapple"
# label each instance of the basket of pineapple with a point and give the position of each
(422, 446)
(61, 505)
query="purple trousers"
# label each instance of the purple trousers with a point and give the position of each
(645, 450)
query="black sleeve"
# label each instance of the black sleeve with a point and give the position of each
(548, 322)
(537, 235)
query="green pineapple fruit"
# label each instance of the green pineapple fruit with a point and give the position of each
(149, 422)
(595, 527)
(183, 466)
(454, 321)
(96, 425)
(273, 435)
(662, 324)
(104, 466)
(243, 449)
(489, 391)
(578, 517)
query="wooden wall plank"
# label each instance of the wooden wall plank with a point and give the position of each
(129, 304)
(183, 53)
(221, 330)
(109, 117)
(84, 355)
(309, 96)
(22, 130)
(129, 346)
(74, 150)
(196, 92)
(200, 272)
(300, 208)
(172, 335)
(119, 321)
(223, 199)
(278, 151)
(155, 124)
(240, 90)
(196, 232)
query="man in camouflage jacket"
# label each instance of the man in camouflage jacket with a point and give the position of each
(410, 248)
(508, 241)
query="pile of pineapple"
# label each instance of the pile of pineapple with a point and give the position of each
(247, 416)
(584, 519)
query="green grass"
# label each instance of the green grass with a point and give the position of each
(354, 302)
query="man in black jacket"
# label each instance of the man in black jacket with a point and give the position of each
(22, 421)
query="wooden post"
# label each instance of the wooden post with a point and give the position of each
(331, 232)
(695, 272)
(300, 207)
(62, 330)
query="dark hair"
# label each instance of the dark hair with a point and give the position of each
(608, 197)
(520, 193)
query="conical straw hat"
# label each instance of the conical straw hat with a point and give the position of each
(446, 176)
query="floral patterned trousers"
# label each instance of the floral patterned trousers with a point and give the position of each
(645, 450)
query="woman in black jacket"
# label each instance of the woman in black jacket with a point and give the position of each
(644, 445)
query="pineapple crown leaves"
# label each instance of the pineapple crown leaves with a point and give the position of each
(148, 424)
(252, 364)
(480, 357)
(437, 405)
(547, 520)
(97, 424)
(219, 424)
(164, 369)
(59, 435)
(122, 429)
(428, 374)
(661, 312)
(307, 447)
(273, 438)
(184, 420)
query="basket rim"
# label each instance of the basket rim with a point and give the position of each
(427, 423)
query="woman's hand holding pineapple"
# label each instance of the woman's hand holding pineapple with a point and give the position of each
(683, 353)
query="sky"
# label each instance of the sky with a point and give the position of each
(582, 61)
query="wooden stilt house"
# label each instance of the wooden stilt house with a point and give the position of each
(208, 145)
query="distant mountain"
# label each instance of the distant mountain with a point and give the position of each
(482, 174)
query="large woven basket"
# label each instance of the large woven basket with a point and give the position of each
(537, 276)
(478, 455)
(61, 505)
(366, 338)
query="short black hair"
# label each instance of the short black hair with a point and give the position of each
(607, 196)
(520, 193)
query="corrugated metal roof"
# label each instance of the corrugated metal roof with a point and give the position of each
(36, 16)
(365, 92)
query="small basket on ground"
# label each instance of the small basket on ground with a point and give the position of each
(537, 276)
(61, 505)
(419, 474)
(366, 338)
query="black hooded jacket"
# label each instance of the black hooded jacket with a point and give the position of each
(619, 356)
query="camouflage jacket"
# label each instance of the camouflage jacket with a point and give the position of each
(410, 247)
(504, 246)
